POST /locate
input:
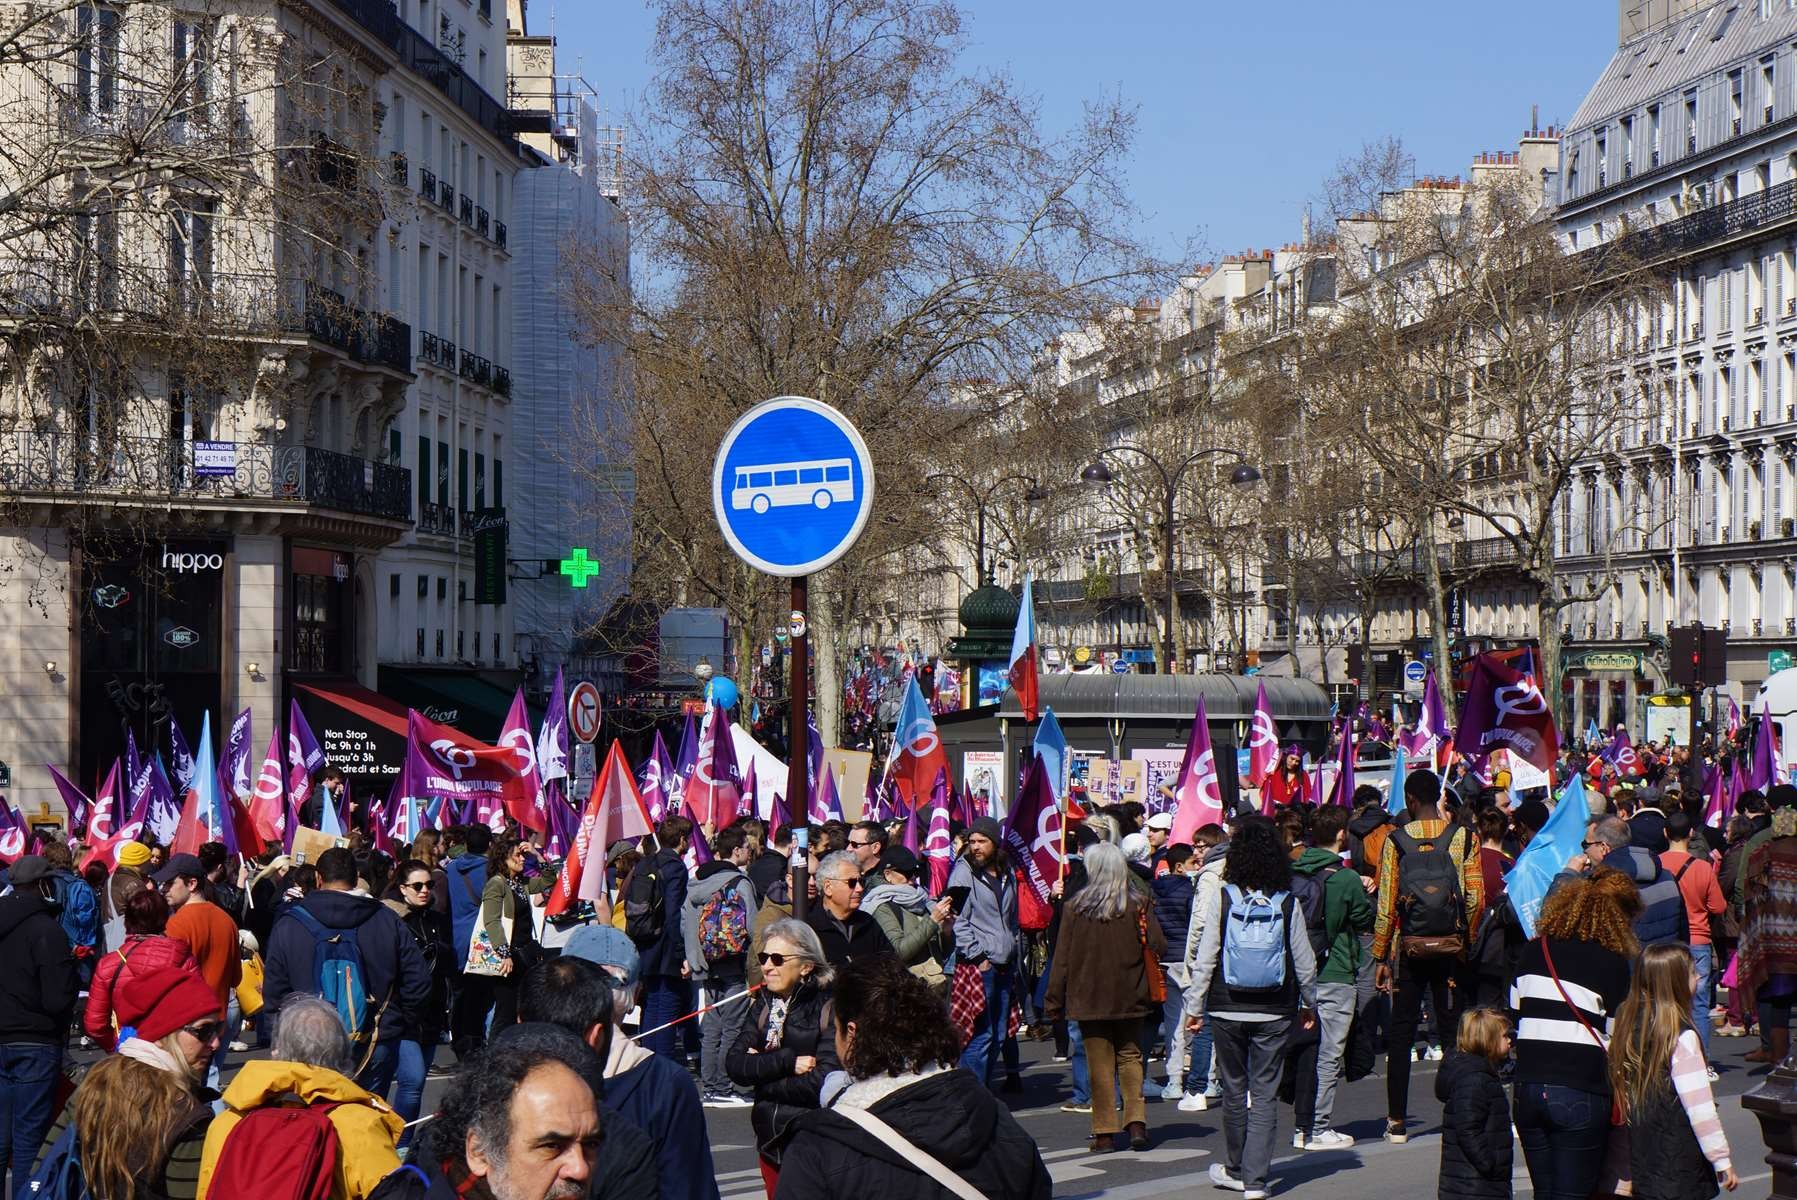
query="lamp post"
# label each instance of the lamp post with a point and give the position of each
(981, 498)
(1244, 475)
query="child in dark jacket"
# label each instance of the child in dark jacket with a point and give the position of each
(1476, 1148)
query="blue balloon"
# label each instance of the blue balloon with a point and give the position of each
(722, 692)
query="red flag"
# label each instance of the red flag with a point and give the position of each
(524, 802)
(1023, 656)
(268, 807)
(614, 810)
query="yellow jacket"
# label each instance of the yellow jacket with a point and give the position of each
(366, 1128)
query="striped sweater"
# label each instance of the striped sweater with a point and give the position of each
(1552, 1045)
(1691, 1080)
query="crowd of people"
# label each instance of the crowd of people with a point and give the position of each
(871, 1023)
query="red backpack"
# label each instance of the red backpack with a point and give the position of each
(279, 1152)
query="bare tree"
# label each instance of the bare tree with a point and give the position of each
(834, 208)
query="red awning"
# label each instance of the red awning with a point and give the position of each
(354, 698)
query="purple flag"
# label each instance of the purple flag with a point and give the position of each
(1765, 771)
(1032, 829)
(1343, 793)
(826, 805)
(180, 759)
(1197, 791)
(234, 764)
(657, 777)
(552, 738)
(165, 804)
(779, 817)
(564, 822)
(12, 832)
(712, 792)
(1505, 707)
(700, 852)
(1431, 727)
(73, 799)
(686, 761)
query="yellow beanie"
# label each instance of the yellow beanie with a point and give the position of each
(133, 854)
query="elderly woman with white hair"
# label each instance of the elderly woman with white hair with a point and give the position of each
(1106, 975)
(311, 1064)
(788, 1044)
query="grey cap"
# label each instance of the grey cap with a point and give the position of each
(29, 870)
(607, 946)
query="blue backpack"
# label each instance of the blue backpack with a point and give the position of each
(60, 1177)
(342, 980)
(80, 915)
(1254, 925)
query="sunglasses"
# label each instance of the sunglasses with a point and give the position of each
(426, 886)
(771, 960)
(204, 1032)
(850, 883)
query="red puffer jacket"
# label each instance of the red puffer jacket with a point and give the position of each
(141, 952)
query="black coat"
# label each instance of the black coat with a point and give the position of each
(948, 1116)
(37, 989)
(431, 930)
(782, 1097)
(864, 938)
(392, 968)
(664, 954)
(1476, 1150)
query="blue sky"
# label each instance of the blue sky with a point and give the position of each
(1244, 108)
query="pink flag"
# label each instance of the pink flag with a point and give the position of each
(524, 802)
(614, 810)
(1263, 740)
(268, 799)
(1032, 829)
(745, 803)
(712, 792)
(1719, 803)
(658, 773)
(1198, 794)
(827, 804)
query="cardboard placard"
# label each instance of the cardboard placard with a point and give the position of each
(309, 843)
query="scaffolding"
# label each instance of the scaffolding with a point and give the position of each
(567, 109)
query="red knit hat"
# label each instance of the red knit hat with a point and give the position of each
(158, 1002)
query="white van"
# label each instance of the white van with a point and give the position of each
(1779, 693)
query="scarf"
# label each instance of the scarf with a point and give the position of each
(865, 1093)
(154, 1055)
(623, 1055)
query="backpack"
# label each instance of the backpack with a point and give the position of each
(645, 908)
(724, 924)
(60, 1177)
(1310, 891)
(280, 1152)
(1254, 938)
(342, 979)
(1430, 907)
(80, 915)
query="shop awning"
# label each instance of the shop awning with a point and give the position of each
(361, 732)
(458, 698)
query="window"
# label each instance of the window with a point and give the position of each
(193, 68)
(424, 473)
(1653, 134)
(811, 475)
(97, 59)
(1767, 92)
(393, 586)
(97, 272)
(190, 251)
(498, 478)
(1691, 121)
(836, 474)
(443, 473)
(424, 592)
(1628, 146)
(1602, 154)
(785, 477)
(461, 476)
(480, 481)
(1735, 87)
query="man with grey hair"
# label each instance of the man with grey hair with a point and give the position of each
(848, 934)
(1609, 843)
(312, 1065)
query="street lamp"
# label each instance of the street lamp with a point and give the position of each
(981, 499)
(1244, 475)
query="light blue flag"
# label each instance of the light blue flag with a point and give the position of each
(1593, 735)
(1394, 799)
(328, 822)
(1562, 837)
(1051, 744)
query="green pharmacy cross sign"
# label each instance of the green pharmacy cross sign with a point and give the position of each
(579, 567)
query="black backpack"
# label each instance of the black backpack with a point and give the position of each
(1310, 892)
(645, 909)
(1431, 906)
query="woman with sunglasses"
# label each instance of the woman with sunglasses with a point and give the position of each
(788, 1045)
(413, 900)
(140, 1115)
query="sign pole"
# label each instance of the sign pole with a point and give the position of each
(798, 744)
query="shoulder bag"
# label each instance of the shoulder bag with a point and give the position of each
(1617, 1116)
(913, 1155)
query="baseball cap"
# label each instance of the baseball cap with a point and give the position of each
(1161, 820)
(608, 947)
(897, 858)
(181, 864)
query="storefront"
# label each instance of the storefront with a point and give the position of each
(152, 647)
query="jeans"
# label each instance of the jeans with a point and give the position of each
(1414, 976)
(1563, 1131)
(986, 1046)
(664, 1000)
(408, 1079)
(1250, 1058)
(1076, 1054)
(1703, 961)
(718, 1030)
(1335, 1015)
(28, 1073)
(1114, 1055)
(382, 1063)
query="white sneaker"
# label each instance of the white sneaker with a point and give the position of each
(1220, 1177)
(1255, 1194)
(1196, 1102)
(1213, 1091)
(1171, 1092)
(1329, 1139)
(1711, 1072)
(1297, 1139)
(1434, 1054)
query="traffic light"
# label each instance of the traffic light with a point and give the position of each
(1356, 663)
(1699, 656)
